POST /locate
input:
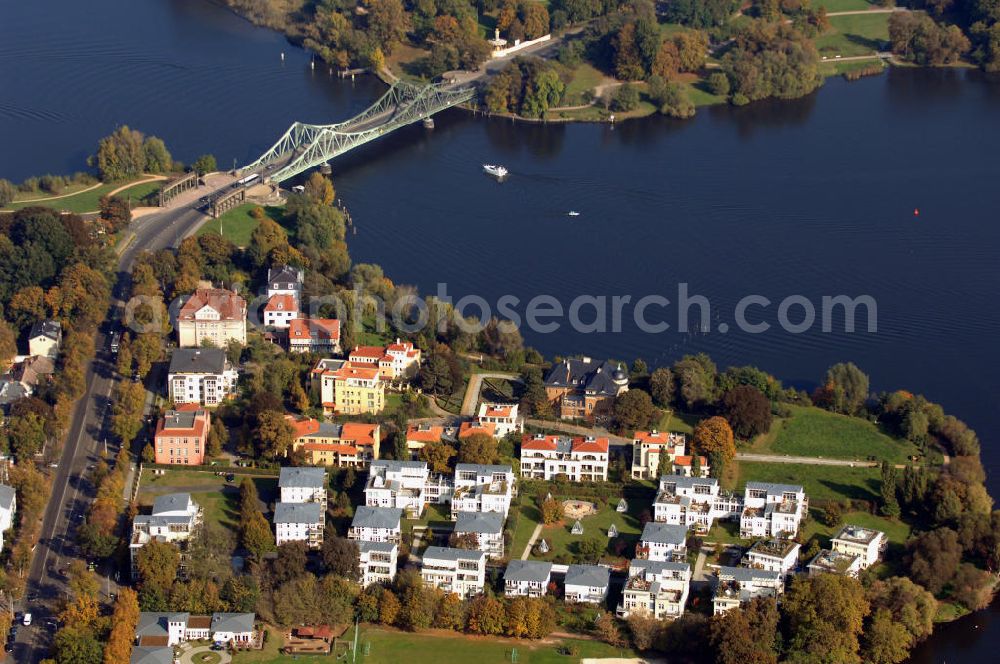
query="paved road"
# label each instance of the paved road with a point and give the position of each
(71, 493)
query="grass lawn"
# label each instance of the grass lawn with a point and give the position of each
(700, 96)
(817, 432)
(236, 225)
(218, 498)
(88, 201)
(819, 482)
(895, 530)
(677, 422)
(844, 5)
(562, 541)
(839, 68)
(585, 78)
(856, 34)
(528, 517)
(434, 515)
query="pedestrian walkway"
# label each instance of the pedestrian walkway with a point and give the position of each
(531, 541)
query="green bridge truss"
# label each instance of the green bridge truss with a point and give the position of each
(306, 146)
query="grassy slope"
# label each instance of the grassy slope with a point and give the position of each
(237, 225)
(816, 432)
(857, 34)
(88, 201)
(820, 482)
(843, 5)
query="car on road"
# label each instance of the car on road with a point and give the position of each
(27, 619)
(230, 477)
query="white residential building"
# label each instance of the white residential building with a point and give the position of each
(159, 630)
(397, 484)
(376, 524)
(200, 375)
(377, 562)
(174, 519)
(302, 485)
(657, 589)
(45, 338)
(281, 310)
(236, 628)
(527, 578)
(486, 526)
(284, 280)
(587, 584)
(314, 335)
(865, 543)
(8, 507)
(734, 586)
(503, 417)
(577, 459)
(835, 562)
(647, 446)
(299, 522)
(773, 555)
(482, 488)
(439, 488)
(662, 541)
(213, 315)
(772, 510)
(693, 502)
(458, 571)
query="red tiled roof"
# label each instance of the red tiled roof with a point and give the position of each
(375, 352)
(686, 460)
(198, 430)
(475, 428)
(321, 328)
(501, 411)
(424, 435)
(547, 443)
(229, 305)
(362, 371)
(658, 437)
(361, 433)
(339, 448)
(302, 427)
(597, 445)
(281, 302)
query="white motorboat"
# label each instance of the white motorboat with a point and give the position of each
(495, 170)
(573, 213)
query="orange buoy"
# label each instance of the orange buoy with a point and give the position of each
(916, 212)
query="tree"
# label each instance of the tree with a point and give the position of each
(714, 436)
(608, 630)
(479, 449)
(319, 189)
(718, 84)
(825, 615)
(890, 506)
(388, 607)
(148, 453)
(257, 536)
(675, 102)
(76, 645)
(933, 558)
(438, 456)
(747, 633)
(123, 623)
(450, 613)
(918, 38)
(692, 49)
(25, 436)
(129, 403)
(158, 159)
(886, 641)
(771, 60)
(747, 410)
(7, 192)
(847, 386)
(645, 630)
(625, 98)
(204, 164)
(696, 376)
(290, 563)
(552, 510)
(121, 156)
(273, 434)
(387, 23)
(340, 557)
(910, 605)
(634, 410)
(661, 387)
(972, 587)
(249, 499)
(486, 615)
(590, 549)
(667, 63)
(157, 563)
(218, 436)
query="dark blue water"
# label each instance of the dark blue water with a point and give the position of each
(812, 198)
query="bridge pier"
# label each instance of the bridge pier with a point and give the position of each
(226, 201)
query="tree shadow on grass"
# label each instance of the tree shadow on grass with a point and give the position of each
(872, 44)
(853, 491)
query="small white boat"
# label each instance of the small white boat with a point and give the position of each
(495, 170)
(573, 213)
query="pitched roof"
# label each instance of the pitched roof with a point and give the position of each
(152, 655)
(367, 516)
(484, 468)
(565, 445)
(197, 361)
(46, 328)
(586, 375)
(282, 302)
(657, 566)
(314, 328)
(687, 459)
(302, 477)
(171, 502)
(381, 547)
(153, 623)
(484, 523)
(664, 533)
(183, 421)
(283, 274)
(475, 428)
(376, 352)
(449, 553)
(748, 574)
(773, 488)
(7, 495)
(591, 576)
(424, 433)
(233, 622)
(298, 513)
(686, 482)
(527, 570)
(229, 305)
(396, 465)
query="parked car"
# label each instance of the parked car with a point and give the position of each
(27, 619)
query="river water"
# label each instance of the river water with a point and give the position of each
(886, 187)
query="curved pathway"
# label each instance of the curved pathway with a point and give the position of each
(475, 386)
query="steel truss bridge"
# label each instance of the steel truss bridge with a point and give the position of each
(306, 146)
